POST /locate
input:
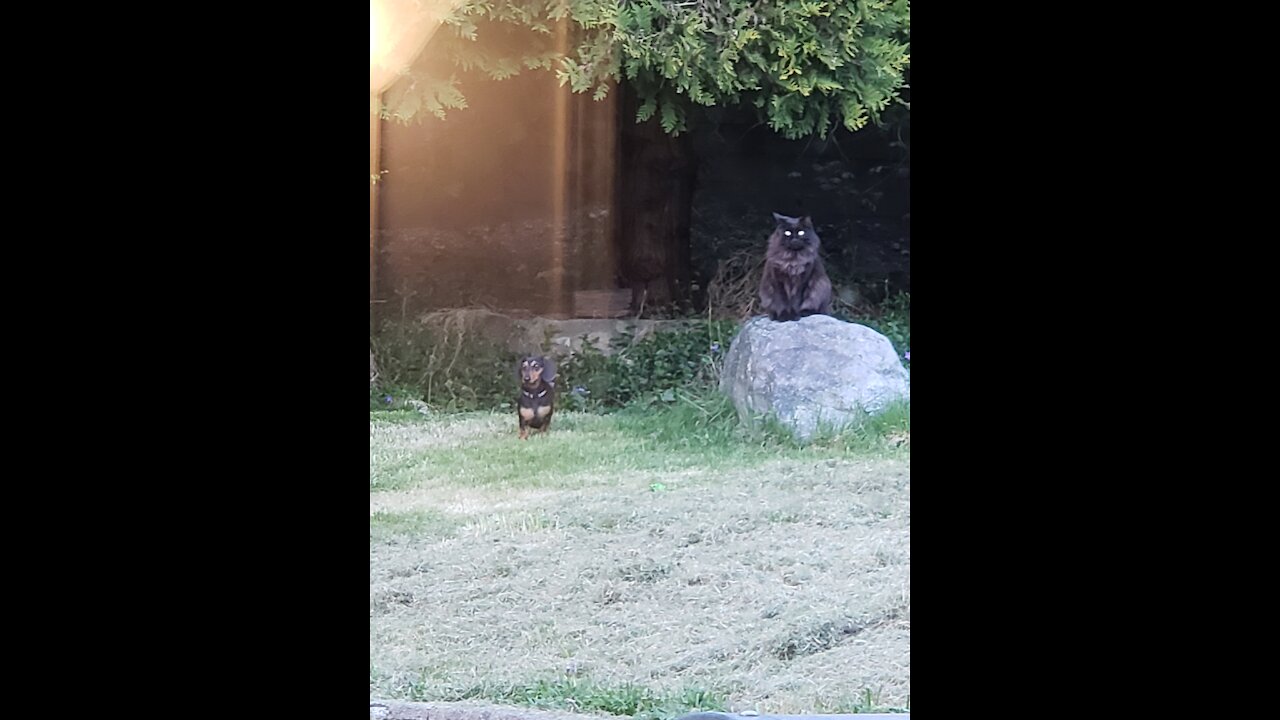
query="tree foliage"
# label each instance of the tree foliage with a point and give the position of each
(808, 66)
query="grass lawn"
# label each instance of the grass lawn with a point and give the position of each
(640, 564)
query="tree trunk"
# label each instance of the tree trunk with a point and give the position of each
(655, 186)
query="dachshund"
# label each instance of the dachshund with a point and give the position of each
(537, 398)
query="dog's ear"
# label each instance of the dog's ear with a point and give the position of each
(549, 370)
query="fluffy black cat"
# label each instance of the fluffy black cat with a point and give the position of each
(795, 283)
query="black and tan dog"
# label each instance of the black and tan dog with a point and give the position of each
(537, 399)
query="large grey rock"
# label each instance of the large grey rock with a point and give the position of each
(816, 370)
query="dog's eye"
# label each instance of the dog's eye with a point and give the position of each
(801, 233)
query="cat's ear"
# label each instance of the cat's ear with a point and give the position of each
(780, 218)
(807, 221)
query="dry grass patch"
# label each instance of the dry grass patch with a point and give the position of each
(609, 561)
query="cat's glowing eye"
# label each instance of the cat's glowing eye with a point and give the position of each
(787, 233)
(801, 233)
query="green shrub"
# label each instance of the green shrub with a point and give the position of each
(442, 365)
(451, 369)
(649, 370)
(893, 320)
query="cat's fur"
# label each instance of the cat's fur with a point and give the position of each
(795, 283)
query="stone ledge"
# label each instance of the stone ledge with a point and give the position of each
(530, 334)
(394, 710)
